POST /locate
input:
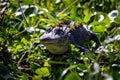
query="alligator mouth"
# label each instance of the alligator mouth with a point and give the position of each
(50, 41)
(47, 42)
(53, 41)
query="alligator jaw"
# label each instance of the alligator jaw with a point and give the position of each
(56, 46)
(57, 49)
(49, 40)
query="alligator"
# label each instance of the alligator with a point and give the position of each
(58, 39)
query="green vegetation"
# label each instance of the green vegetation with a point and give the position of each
(22, 23)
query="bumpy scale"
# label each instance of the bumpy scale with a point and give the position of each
(58, 39)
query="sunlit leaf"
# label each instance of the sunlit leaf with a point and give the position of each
(99, 28)
(48, 4)
(86, 9)
(100, 25)
(43, 72)
(87, 17)
(72, 76)
(46, 64)
(73, 14)
(37, 78)
(61, 16)
(72, 67)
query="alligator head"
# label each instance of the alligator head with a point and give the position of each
(56, 40)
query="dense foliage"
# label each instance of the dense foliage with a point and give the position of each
(23, 21)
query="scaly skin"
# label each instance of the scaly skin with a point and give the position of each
(58, 39)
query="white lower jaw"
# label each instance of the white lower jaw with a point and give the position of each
(57, 49)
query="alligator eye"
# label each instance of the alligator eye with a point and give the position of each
(59, 31)
(48, 30)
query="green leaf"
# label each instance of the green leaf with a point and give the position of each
(86, 9)
(27, 2)
(117, 19)
(62, 15)
(73, 14)
(100, 25)
(72, 76)
(24, 77)
(43, 72)
(37, 78)
(99, 28)
(87, 17)
(24, 40)
(72, 67)
(20, 60)
(46, 64)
